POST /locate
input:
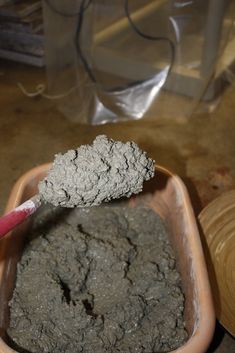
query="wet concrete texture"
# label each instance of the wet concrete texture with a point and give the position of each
(108, 268)
(200, 149)
(96, 173)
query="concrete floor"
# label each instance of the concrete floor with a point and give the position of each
(201, 150)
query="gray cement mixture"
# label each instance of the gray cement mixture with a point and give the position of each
(96, 173)
(99, 279)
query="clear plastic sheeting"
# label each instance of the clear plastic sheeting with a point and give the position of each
(131, 102)
(127, 59)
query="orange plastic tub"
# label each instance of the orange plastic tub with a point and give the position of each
(166, 195)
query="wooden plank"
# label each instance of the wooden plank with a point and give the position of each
(22, 58)
(29, 24)
(22, 42)
(123, 23)
(20, 9)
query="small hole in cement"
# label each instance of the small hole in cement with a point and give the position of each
(66, 291)
(89, 308)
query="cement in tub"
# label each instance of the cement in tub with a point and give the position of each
(167, 196)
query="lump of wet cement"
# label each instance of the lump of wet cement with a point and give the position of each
(96, 173)
(100, 280)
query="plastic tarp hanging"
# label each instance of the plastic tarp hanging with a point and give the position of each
(126, 59)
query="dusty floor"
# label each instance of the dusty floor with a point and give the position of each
(201, 150)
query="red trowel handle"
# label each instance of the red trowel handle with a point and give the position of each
(18, 215)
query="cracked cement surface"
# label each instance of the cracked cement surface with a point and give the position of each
(101, 279)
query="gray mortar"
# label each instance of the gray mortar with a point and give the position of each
(93, 174)
(97, 280)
